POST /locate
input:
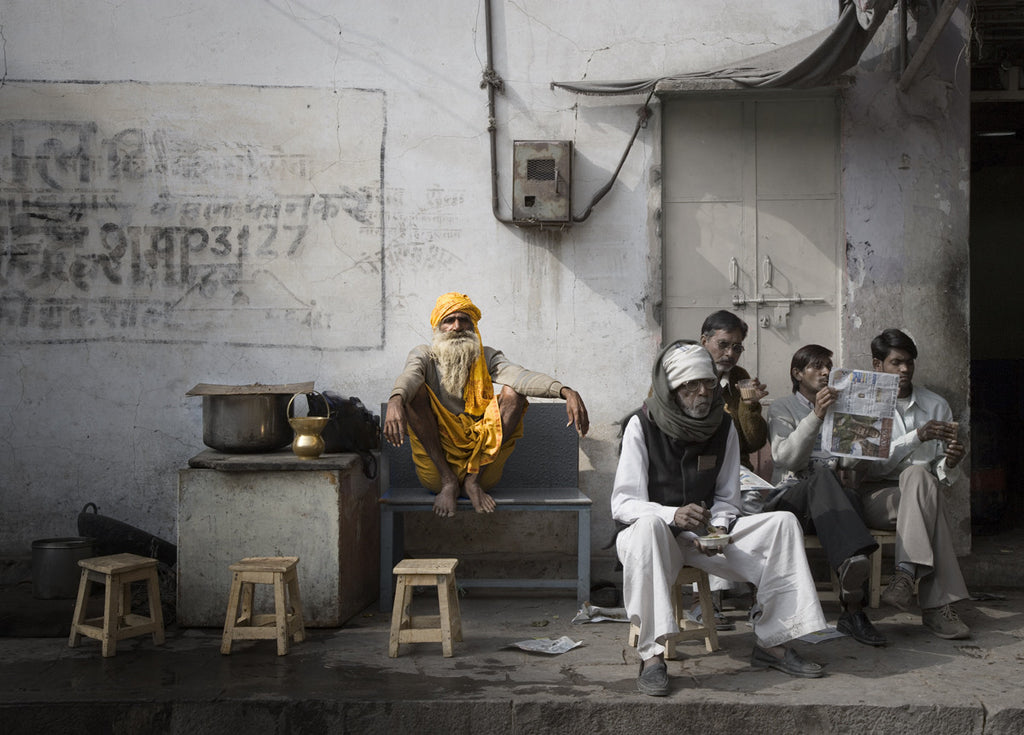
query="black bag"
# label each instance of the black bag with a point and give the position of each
(352, 428)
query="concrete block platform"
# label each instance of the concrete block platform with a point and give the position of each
(341, 680)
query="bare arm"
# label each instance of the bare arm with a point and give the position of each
(413, 375)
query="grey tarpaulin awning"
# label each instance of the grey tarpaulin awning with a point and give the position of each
(815, 61)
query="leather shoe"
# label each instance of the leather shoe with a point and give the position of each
(653, 679)
(790, 664)
(852, 574)
(857, 626)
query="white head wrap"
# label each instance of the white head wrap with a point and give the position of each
(686, 363)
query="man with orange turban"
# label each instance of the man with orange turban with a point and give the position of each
(461, 432)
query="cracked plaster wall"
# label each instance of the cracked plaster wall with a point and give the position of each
(906, 179)
(107, 420)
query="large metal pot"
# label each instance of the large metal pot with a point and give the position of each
(244, 424)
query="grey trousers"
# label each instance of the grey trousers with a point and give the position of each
(915, 510)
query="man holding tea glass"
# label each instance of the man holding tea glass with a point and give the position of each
(903, 492)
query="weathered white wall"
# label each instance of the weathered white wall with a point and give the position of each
(103, 417)
(906, 190)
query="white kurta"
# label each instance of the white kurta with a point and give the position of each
(767, 550)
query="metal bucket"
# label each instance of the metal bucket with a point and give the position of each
(55, 570)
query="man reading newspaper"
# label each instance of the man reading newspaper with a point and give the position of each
(903, 492)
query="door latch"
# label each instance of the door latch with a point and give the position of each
(781, 306)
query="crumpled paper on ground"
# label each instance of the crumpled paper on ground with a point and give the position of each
(548, 645)
(594, 614)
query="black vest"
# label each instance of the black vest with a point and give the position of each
(675, 475)
(679, 473)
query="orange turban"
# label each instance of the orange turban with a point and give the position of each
(451, 302)
(479, 390)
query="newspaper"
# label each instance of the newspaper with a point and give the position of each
(754, 492)
(594, 614)
(859, 423)
(547, 645)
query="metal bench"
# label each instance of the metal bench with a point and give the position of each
(542, 475)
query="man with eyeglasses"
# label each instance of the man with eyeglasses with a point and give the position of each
(678, 479)
(722, 335)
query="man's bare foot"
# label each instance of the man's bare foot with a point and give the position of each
(482, 502)
(444, 503)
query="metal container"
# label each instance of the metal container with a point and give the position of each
(55, 570)
(246, 424)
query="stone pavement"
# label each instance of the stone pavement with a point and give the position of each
(341, 680)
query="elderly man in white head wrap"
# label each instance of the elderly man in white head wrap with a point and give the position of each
(678, 477)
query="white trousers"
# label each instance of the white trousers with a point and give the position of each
(767, 550)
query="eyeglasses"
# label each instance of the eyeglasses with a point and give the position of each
(690, 387)
(724, 346)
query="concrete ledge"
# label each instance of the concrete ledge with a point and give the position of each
(271, 715)
(343, 681)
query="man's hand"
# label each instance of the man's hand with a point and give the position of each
(575, 410)
(955, 451)
(395, 421)
(692, 517)
(823, 399)
(762, 391)
(942, 430)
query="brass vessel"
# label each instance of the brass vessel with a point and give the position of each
(308, 442)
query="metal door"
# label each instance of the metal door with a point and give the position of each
(751, 213)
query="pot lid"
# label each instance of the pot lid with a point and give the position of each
(210, 389)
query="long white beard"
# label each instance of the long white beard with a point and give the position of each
(455, 353)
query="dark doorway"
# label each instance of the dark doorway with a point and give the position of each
(997, 268)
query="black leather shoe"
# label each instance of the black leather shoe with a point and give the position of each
(790, 664)
(653, 679)
(852, 574)
(857, 626)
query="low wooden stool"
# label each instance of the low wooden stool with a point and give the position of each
(876, 578)
(117, 572)
(447, 626)
(688, 629)
(279, 571)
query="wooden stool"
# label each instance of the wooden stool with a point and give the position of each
(279, 571)
(688, 629)
(117, 572)
(445, 627)
(876, 578)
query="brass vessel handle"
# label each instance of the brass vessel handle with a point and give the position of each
(288, 411)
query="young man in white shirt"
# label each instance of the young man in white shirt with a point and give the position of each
(904, 493)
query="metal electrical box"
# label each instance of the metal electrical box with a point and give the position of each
(541, 177)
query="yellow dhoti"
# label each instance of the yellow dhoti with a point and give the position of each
(470, 445)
